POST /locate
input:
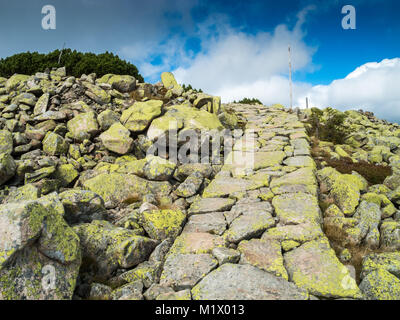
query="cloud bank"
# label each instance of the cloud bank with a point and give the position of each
(373, 86)
(234, 64)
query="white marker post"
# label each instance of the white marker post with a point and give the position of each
(290, 78)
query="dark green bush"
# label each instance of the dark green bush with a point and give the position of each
(76, 63)
(189, 87)
(328, 125)
(249, 101)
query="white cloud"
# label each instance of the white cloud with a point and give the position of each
(234, 64)
(372, 86)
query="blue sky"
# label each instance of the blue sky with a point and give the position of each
(232, 48)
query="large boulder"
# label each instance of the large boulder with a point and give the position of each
(117, 139)
(170, 83)
(245, 282)
(163, 224)
(41, 104)
(183, 271)
(315, 267)
(381, 285)
(346, 194)
(122, 83)
(369, 216)
(39, 252)
(6, 142)
(138, 117)
(54, 144)
(108, 248)
(297, 208)
(16, 81)
(7, 167)
(97, 94)
(109, 187)
(82, 206)
(83, 126)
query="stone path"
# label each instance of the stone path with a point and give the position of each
(257, 234)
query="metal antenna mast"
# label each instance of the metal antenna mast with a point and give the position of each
(290, 77)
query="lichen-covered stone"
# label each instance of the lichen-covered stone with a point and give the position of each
(65, 174)
(107, 118)
(368, 216)
(109, 247)
(226, 255)
(54, 144)
(122, 83)
(390, 235)
(183, 271)
(225, 186)
(82, 206)
(7, 167)
(15, 81)
(190, 186)
(263, 254)
(6, 142)
(346, 194)
(301, 180)
(97, 94)
(37, 245)
(389, 261)
(207, 205)
(249, 226)
(315, 267)
(117, 188)
(196, 243)
(299, 233)
(158, 169)
(380, 285)
(117, 139)
(297, 208)
(169, 82)
(245, 282)
(41, 104)
(163, 224)
(214, 223)
(83, 126)
(138, 117)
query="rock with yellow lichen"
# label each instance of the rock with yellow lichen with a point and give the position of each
(245, 282)
(263, 254)
(107, 247)
(117, 188)
(122, 83)
(297, 208)
(7, 167)
(138, 117)
(39, 253)
(183, 271)
(381, 285)
(346, 194)
(163, 224)
(314, 266)
(117, 139)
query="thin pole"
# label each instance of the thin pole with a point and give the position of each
(307, 102)
(290, 77)
(59, 57)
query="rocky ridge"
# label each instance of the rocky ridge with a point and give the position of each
(87, 213)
